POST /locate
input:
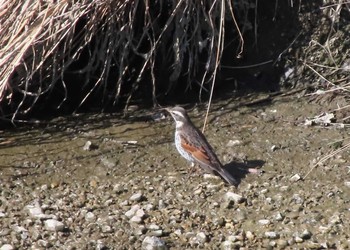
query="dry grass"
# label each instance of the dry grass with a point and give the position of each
(40, 40)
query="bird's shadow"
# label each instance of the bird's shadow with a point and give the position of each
(239, 170)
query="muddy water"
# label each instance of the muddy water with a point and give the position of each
(88, 151)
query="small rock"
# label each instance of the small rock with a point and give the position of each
(236, 198)
(153, 227)
(106, 229)
(271, 235)
(219, 221)
(315, 245)
(232, 143)
(178, 232)
(34, 211)
(54, 225)
(298, 239)
(249, 235)
(201, 237)
(282, 243)
(278, 217)
(140, 230)
(131, 212)
(335, 219)
(306, 234)
(264, 222)
(295, 178)
(274, 148)
(140, 213)
(156, 233)
(88, 146)
(7, 247)
(136, 197)
(210, 177)
(90, 216)
(149, 207)
(228, 245)
(153, 243)
(347, 183)
(109, 163)
(136, 219)
(161, 204)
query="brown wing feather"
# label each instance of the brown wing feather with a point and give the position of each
(198, 153)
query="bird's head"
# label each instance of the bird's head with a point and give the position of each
(179, 114)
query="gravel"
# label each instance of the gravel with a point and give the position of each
(60, 196)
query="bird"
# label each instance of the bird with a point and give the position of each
(194, 147)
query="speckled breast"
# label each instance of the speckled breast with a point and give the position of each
(183, 153)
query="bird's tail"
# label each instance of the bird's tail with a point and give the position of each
(228, 177)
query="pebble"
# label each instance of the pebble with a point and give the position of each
(136, 197)
(232, 143)
(131, 212)
(7, 247)
(34, 210)
(88, 146)
(153, 243)
(282, 243)
(90, 216)
(156, 233)
(228, 245)
(54, 225)
(136, 219)
(249, 235)
(278, 217)
(236, 198)
(264, 222)
(201, 237)
(295, 178)
(140, 230)
(271, 235)
(306, 234)
(298, 239)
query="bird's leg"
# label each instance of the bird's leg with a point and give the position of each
(192, 169)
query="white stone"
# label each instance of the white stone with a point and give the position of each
(298, 239)
(271, 235)
(153, 243)
(153, 227)
(230, 196)
(264, 222)
(136, 219)
(227, 245)
(54, 225)
(34, 210)
(201, 237)
(295, 178)
(136, 197)
(232, 143)
(249, 235)
(140, 213)
(90, 216)
(7, 247)
(278, 217)
(131, 212)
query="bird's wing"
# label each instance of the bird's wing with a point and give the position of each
(198, 153)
